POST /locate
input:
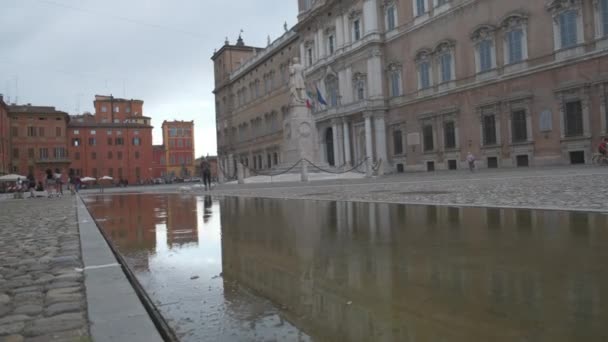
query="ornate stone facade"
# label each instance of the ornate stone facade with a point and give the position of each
(518, 83)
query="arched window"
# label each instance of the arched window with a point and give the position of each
(394, 76)
(485, 49)
(515, 38)
(360, 85)
(567, 23)
(423, 62)
(445, 61)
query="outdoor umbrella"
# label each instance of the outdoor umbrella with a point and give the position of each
(11, 178)
(106, 178)
(88, 179)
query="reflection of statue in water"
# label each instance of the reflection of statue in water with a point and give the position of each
(296, 81)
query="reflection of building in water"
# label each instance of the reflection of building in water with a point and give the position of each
(140, 222)
(363, 272)
(181, 220)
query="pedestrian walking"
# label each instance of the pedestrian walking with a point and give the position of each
(206, 171)
(471, 161)
(58, 182)
(50, 183)
(31, 185)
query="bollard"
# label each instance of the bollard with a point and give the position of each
(220, 176)
(304, 172)
(239, 173)
(368, 168)
(380, 168)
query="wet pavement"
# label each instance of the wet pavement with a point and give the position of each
(245, 269)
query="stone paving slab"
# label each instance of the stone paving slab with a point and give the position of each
(42, 293)
(564, 188)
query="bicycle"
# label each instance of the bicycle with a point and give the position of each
(599, 159)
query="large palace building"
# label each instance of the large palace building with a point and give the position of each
(420, 83)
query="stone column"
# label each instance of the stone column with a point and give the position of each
(230, 169)
(302, 56)
(347, 30)
(339, 42)
(347, 159)
(334, 129)
(369, 153)
(347, 92)
(321, 44)
(370, 16)
(340, 138)
(374, 74)
(380, 127)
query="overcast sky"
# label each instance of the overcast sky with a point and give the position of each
(63, 52)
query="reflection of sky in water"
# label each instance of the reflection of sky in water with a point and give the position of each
(183, 277)
(346, 271)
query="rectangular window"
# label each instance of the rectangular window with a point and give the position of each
(110, 141)
(446, 67)
(172, 160)
(57, 131)
(30, 153)
(31, 131)
(15, 131)
(395, 84)
(449, 131)
(425, 79)
(109, 132)
(485, 55)
(330, 42)
(421, 7)
(515, 40)
(93, 132)
(93, 155)
(489, 130)
(119, 155)
(398, 141)
(427, 133)
(136, 141)
(119, 141)
(568, 29)
(44, 153)
(76, 132)
(136, 154)
(92, 142)
(309, 55)
(574, 119)
(390, 18)
(41, 131)
(104, 109)
(110, 155)
(519, 127)
(180, 143)
(357, 29)
(15, 153)
(76, 142)
(116, 109)
(173, 132)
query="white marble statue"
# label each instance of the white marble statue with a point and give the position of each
(296, 81)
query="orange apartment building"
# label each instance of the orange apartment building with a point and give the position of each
(178, 140)
(37, 139)
(4, 138)
(159, 161)
(116, 141)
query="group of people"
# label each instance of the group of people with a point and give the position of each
(53, 184)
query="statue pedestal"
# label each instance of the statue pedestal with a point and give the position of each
(299, 136)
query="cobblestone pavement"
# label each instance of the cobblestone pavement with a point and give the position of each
(565, 188)
(42, 296)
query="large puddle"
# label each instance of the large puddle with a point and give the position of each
(292, 270)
